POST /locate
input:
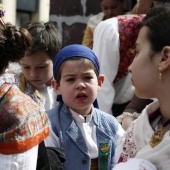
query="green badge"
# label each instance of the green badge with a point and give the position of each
(104, 155)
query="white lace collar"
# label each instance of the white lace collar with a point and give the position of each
(6, 78)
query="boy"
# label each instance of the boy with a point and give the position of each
(82, 130)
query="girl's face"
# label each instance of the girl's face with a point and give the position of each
(78, 85)
(37, 69)
(111, 8)
(145, 67)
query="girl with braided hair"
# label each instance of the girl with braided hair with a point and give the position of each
(23, 125)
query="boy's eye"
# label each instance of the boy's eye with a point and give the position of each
(88, 77)
(70, 79)
(41, 67)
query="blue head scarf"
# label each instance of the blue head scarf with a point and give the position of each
(75, 50)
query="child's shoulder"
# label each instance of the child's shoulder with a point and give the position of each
(104, 116)
(54, 111)
(107, 115)
(51, 111)
(105, 121)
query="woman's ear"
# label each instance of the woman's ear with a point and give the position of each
(165, 58)
(100, 81)
(56, 86)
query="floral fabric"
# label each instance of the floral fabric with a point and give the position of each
(22, 124)
(28, 89)
(129, 26)
(136, 141)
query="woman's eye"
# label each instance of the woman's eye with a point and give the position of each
(136, 52)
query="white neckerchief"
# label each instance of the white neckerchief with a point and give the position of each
(49, 96)
(88, 130)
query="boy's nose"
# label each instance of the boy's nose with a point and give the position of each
(80, 85)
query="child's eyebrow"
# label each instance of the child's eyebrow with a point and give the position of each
(68, 75)
(73, 74)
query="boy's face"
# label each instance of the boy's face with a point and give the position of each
(37, 69)
(78, 85)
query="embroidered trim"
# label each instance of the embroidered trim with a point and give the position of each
(129, 146)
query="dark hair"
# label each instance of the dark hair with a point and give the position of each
(14, 42)
(158, 21)
(46, 38)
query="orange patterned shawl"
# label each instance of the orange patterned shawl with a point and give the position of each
(22, 124)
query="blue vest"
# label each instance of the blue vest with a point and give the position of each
(71, 138)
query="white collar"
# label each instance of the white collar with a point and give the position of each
(81, 119)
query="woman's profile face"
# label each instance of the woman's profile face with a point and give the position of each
(145, 67)
(111, 8)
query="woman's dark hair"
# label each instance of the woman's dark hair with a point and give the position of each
(14, 42)
(158, 21)
(46, 38)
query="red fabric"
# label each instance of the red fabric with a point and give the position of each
(129, 26)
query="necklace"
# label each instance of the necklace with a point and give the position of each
(158, 135)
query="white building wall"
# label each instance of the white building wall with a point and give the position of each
(10, 11)
(42, 14)
(43, 11)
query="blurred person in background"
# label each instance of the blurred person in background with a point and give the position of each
(110, 8)
(143, 6)
(114, 45)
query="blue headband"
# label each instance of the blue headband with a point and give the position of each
(75, 50)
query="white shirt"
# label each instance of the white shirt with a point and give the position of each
(106, 47)
(21, 161)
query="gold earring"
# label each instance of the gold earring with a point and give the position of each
(160, 74)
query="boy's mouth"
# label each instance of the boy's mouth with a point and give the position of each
(81, 95)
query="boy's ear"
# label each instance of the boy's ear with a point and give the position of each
(56, 86)
(165, 58)
(100, 81)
